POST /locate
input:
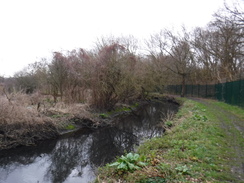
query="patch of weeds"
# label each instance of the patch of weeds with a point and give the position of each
(135, 105)
(103, 115)
(199, 117)
(129, 163)
(168, 124)
(56, 116)
(70, 127)
(182, 169)
(118, 110)
(123, 109)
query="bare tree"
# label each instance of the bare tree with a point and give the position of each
(235, 12)
(175, 52)
(25, 81)
(220, 47)
(57, 75)
(207, 64)
(112, 76)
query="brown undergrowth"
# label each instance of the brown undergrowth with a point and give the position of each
(26, 119)
(21, 123)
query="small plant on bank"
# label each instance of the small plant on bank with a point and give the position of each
(168, 124)
(56, 116)
(129, 163)
(182, 169)
(118, 110)
(167, 120)
(200, 117)
(103, 115)
(70, 127)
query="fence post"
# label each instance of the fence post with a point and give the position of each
(231, 92)
(206, 91)
(239, 94)
(216, 91)
(186, 88)
(198, 88)
(223, 86)
(225, 94)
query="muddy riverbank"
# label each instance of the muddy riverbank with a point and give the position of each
(48, 127)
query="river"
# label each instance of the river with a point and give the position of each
(74, 158)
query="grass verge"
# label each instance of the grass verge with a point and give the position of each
(233, 109)
(194, 149)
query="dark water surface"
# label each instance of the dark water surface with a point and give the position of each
(75, 157)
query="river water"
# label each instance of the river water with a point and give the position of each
(74, 158)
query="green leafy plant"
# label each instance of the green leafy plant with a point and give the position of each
(103, 115)
(182, 169)
(123, 109)
(70, 127)
(204, 118)
(199, 117)
(130, 162)
(168, 124)
(135, 105)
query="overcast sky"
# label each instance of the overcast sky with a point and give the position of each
(33, 29)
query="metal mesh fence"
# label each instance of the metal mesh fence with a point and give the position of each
(204, 91)
(229, 92)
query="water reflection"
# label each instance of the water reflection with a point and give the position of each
(74, 158)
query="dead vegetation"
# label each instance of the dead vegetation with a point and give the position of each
(21, 123)
(25, 119)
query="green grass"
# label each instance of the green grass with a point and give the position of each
(70, 127)
(118, 110)
(195, 149)
(233, 109)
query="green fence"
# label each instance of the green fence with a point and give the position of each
(230, 92)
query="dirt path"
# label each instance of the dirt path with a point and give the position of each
(234, 128)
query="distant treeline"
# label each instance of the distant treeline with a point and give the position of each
(116, 71)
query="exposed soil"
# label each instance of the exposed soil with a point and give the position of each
(230, 121)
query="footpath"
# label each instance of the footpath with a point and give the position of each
(233, 126)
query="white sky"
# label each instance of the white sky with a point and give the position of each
(33, 29)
